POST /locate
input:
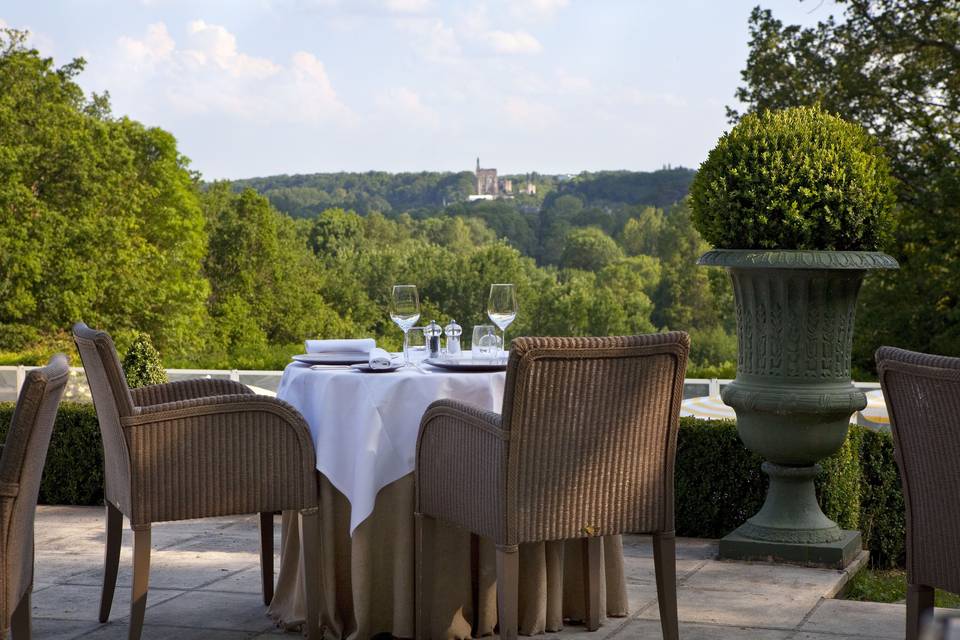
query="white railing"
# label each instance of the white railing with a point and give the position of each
(270, 380)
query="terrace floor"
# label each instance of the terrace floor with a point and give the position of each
(205, 583)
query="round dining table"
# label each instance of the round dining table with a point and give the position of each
(364, 427)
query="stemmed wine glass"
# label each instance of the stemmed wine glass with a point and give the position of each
(502, 307)
(405, 311)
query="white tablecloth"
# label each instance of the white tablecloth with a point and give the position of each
(365, 425)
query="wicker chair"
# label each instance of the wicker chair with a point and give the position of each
(585, 448)
(922, 393)
(195, 449)
(21, 466)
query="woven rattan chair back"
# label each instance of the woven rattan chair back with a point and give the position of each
(922, 393)
(112, 400)
(21, 468)
(593, 429)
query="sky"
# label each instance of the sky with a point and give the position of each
(261, 87)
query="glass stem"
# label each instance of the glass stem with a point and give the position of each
(505, 349)
(406, 354)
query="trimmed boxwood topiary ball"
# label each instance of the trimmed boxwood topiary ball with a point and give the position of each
(799, 178)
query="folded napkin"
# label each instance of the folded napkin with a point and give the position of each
(380, 359)
(362, 345)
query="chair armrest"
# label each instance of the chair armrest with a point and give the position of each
(210, 405)
(461, 467)
(219, 455)
(186, 390)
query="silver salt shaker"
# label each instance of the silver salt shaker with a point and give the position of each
(453, 332)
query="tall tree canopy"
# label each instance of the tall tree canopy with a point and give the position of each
(894, 67)
(99, 218)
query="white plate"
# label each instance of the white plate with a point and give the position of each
(468, 364)
(331, 358)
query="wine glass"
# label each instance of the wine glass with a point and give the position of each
(405, 311)
(502, 307)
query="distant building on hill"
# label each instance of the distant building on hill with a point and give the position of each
(489, 186)
(530, 189)
(487, 183)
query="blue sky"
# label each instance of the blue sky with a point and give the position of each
(298, 86)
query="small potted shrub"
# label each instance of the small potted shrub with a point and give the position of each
(142, 364)
(796, 202)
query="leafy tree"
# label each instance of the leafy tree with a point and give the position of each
(894, 67)
(589, 249)
(640, 234)
(336, 232)
(265, 280)
(99, 218)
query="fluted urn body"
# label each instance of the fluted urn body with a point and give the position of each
(793, 394)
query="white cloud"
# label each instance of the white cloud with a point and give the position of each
(528, 114)
(3, 25)
(406, 6)
(406, 104)
(431, 38)
(214, 44)
(208, 74)
(645, 99)
(570, 83)
(512, 42)
(156, 46)
(536, 9)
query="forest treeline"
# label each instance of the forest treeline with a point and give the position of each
(103, 221)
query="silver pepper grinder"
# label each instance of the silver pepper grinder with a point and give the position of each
(453, 331)
(432, 333)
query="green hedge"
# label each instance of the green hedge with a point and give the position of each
(74, 470)
(719, 485)
(718, 482)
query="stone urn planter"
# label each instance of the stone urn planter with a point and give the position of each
(796, 203)
(793, 394)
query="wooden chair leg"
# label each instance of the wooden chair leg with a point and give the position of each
(141, 578)
(111, 560)
(592, 559)
(310, 568)
(919, 606)
(423, 575)
(266, 556)
(508, 586)
(665, 566)
(20, 624)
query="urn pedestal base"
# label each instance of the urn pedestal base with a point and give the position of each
(829, 555)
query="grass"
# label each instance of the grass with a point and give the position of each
(890, 585)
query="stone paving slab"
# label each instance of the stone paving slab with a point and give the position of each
(205, 583)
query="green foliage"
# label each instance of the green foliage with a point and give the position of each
(14, 337)
(718, 481)
(657, 188)
(98, 215)
(893, 67)
(73, 473)
(102, 221)
(883, 512)
(589, 249)
(719, 485)
(890, 585)
(142, 364)
(798, 178)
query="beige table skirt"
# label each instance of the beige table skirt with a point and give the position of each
(368, 579)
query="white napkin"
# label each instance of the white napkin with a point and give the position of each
(380, 359)
(362, 345)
